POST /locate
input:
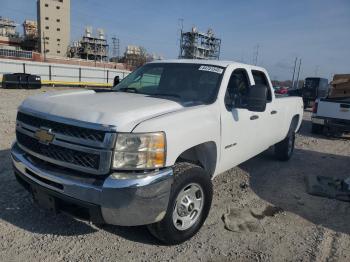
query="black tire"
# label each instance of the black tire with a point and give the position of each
(284, 149)
(184, 175)
(316, 129)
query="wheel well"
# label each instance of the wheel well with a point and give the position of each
(204, 155)
(294, 123)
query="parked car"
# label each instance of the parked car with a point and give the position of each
(314, 87)
(332, 114)
(145, 152)
(21, 80)
(281, 90)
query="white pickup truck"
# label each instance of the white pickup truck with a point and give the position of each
(332, 114)
(146, 151)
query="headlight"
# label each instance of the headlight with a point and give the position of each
(139, 151)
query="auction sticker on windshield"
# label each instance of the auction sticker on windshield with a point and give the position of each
(213, 69)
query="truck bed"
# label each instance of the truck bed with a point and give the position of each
(337, 108)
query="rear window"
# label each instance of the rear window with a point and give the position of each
(261, 79)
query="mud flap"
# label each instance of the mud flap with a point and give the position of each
(328, 187)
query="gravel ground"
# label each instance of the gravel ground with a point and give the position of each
(287, 224)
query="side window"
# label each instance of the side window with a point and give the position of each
(237, 89)
(260, 78)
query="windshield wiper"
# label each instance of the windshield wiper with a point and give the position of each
(127, 90)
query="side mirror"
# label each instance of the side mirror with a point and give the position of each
(116, 80)
(257, 98)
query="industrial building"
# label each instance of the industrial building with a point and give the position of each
(8, 28)
(134, 56)
(91, 47)
(30, 28)
(54, 26)
(198, 45)
(9, 38)
(30, 40)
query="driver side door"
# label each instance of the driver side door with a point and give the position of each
(239, 125)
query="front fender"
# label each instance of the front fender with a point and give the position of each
(186, 128)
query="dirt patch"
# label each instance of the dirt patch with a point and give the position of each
(248, 220)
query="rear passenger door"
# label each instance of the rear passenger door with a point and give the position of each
(270, 118)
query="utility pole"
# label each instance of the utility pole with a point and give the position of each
(316, 70)
(181, 24)
(95, 44)
(295, 65)
(298, 73)
(101, 51)
(242, 57)
(256, 55)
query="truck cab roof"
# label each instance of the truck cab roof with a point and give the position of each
(222, 63)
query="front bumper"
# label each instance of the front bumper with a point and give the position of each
(120, 198)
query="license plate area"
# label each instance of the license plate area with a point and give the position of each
(43, 199)
(318, 121)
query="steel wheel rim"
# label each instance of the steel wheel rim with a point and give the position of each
(188, 206)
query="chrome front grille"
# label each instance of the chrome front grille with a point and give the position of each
(61, 128)
(59, 153)
(77, 147)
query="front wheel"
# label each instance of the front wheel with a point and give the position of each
(284, 149)
(188, 207)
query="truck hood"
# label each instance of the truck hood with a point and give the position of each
(122, 110)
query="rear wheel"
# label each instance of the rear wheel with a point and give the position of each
(284, 149)
(188, 207)
(316, 129)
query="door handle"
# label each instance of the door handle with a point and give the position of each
(273, 112)
(254, 117)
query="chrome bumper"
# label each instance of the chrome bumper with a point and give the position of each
(124, 199)
(317, 120)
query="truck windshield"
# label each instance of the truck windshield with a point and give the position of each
(182, 82)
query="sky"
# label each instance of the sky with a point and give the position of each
(317, 31)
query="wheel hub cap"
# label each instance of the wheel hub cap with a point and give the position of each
(188, 206)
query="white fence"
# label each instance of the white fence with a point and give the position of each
(61, 72)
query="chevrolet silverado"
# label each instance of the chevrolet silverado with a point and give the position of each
(146, 151)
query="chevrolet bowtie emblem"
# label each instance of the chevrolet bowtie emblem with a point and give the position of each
(44, 136)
